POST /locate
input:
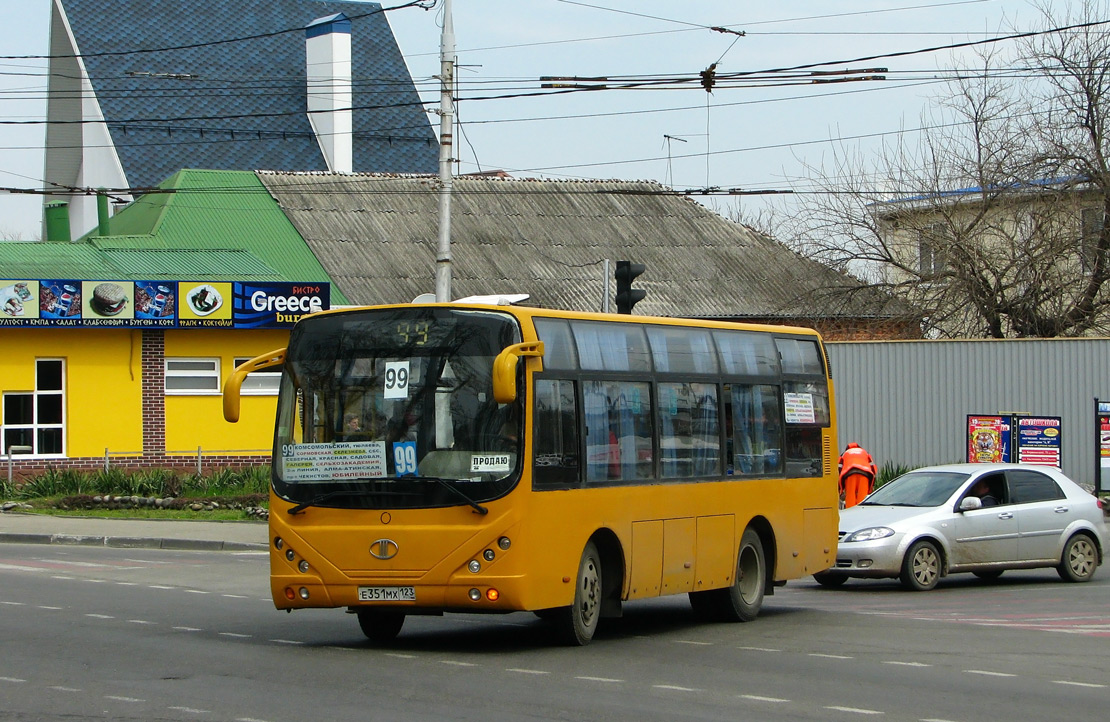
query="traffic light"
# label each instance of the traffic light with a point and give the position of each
(627, 297)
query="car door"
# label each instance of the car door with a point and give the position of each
(1042, 512)
(985, 535)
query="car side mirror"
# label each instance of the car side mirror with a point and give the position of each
(970, 502)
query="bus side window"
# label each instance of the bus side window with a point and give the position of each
(756, 438)
(555, 442)
(618, 417)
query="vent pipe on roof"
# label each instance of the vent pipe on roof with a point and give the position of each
(57, 221)
(101, 215)
(330, 97)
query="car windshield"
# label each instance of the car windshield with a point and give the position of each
(394, 408)
(918, 488)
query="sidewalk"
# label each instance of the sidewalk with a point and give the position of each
(20, 528)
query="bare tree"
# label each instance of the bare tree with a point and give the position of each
(992, 225)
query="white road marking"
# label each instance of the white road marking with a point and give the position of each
(52, 609)
(1078, 684)
(140, 621)
(236, 635)
(159, 586)
(988, 673)
(123, 699)
(829, 656)
(286, 641)
(14, 680)
(760, 698)
(760, 649)
(234, 596)
(21, 568)
(66, 689)
(398, 655)
(187, 629)
(455, 663)
(526, 671)
(95, 581)
(14, 604)
(191, 710)
(600, 679)
(907, 664)
(197, 591)
(854, 710)
(100, 616)
(690, 641)
(675, 688)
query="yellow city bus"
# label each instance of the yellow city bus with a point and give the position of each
(466, 458)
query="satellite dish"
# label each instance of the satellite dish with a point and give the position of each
(425, 298)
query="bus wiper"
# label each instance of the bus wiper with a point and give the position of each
(456, 491)
(320, 498)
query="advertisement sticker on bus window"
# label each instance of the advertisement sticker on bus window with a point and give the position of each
(396, 379)
(799, 408)
(328, 462)
(490, 462)
(404, 458)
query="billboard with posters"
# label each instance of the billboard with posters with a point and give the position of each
(106, 303)
(988, 439)
(1038, 440)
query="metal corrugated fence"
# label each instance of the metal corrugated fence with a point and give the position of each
(907, 401)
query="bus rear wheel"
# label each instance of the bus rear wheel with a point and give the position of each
(578, 622)
(742, 601)
(379, 625)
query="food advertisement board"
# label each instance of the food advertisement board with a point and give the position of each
(107, 303)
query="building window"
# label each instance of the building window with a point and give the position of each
(36, 419)
(259, 383)
(192, 376)
(930, 255)
(1091, 221)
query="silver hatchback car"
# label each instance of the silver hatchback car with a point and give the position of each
(978, 518)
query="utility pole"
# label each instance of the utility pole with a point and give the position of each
(446, 121)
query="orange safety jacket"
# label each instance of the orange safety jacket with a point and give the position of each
(856, 460)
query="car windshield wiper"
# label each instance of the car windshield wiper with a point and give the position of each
(450, 486)
(321, 498)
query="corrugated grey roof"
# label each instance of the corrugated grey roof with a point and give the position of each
(376, 237)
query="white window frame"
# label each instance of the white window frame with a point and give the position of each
(259, 383)
(207, 377)
(36, 426)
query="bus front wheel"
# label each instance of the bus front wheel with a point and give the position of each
(380, 626)
(742, 601)
(578, 622)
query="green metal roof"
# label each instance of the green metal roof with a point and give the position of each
(201, 224)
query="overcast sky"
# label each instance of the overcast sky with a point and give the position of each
(747, 135)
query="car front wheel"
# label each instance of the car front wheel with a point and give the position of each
(921, 567)
(1079, 560)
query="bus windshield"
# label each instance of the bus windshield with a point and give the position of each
(393, 408)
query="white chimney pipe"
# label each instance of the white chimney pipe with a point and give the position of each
(330, 96)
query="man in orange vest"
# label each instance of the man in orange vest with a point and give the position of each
(857, 474)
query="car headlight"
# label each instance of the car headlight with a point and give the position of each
(869, 534)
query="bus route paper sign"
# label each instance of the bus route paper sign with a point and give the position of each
(799, 408)
(328, 462)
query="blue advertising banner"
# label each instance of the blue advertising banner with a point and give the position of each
(1038, 440)
(55, 303)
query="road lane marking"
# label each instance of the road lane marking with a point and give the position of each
(906, 664)
(190, 710)
(187, 629)
(196, 591)
(159, 586)
(100, 616)
(761, 698)
(236, 635)
(675, 688)
(118, 698)
(66, 689)
(286, 641)
(52, 609)
(1078, 684)
(691, 641)
(600, 679)
(760, 649)
(526, 671)
(854, 710)
(829, 656)
(234, 596)
(456, 663)
(398, 655)
(14, 604)
(140, 621)
(13, 680)
(988, 673)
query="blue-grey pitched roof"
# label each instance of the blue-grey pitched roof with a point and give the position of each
(241, 105)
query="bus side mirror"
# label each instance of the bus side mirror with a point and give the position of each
(235, 381)
(504, 369)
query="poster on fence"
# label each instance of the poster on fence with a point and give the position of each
(988, 439)
(1038, 440)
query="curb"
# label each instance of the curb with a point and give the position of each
(124, 542)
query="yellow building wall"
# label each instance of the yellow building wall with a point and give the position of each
(197, 420)
(103, 382)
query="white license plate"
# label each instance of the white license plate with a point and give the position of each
(387, 594)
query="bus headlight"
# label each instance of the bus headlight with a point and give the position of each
(488, 555)
(303, 566)
(504, 543)
(474, 566)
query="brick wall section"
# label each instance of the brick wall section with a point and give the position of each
(154, 394)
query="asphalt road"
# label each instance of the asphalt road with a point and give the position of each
(103, 633)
